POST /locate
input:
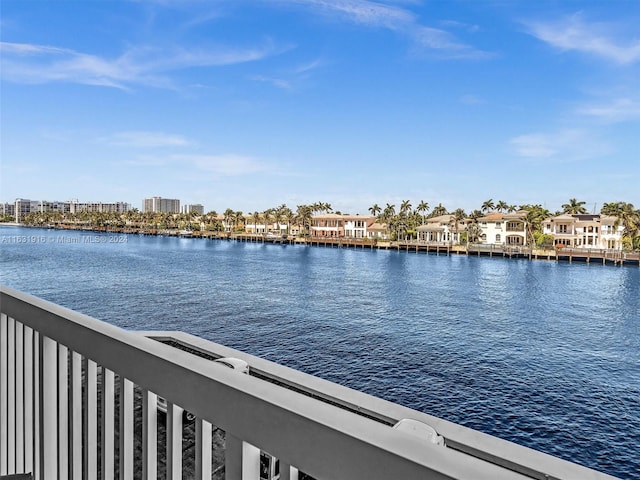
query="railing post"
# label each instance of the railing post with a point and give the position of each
(203, 449)
(242, 460)
(28, 400)
(11, 395)
(4, 375)
(76, 416)
(63, 411)
(250, 462)
(90, 410)
(287, 472)
(19, 366)
(37, 388)
(174, 442)
(149, 435)
(233, 457)
(48, 409)
(126, 429)
(108, 418)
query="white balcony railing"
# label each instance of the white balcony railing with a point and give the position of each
(72, 387)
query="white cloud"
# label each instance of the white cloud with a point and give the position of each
(394, 18)
(574, 34)
(618, 110)
(563, 146)
(307, 67)
(277, 82)
(361, 11)
(30, 63)
(147, 139)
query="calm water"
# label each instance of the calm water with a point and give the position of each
(543, 354)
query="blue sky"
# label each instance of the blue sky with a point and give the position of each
(251, 104)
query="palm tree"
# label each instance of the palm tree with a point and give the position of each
(501, 206)
(625, 215)
(256, 217)
(476, 214)
(240, 220)
(534, 217)
(279, 215)
(488, 206)
(304, 216)
(405, 206)
(438, 210)
(457, 216)
(388, 216)
(422, 208)
(322, 207)
(474, 232)
(229, 219)
(267, 215)
(574, 207)
(401, 225)
(289, 217)
(375, 209)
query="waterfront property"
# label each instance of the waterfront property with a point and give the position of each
(585, 231)
(68, 406)
(504, 228)
(159, 204)
(443, 229)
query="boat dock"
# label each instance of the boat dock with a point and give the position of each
(578, 255)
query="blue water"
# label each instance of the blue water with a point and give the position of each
(540, 353)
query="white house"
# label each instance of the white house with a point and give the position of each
(585, 231)
(345, 226)
(504, 228)
(377, 230)
(441, 230)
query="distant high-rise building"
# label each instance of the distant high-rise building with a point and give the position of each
(23, 207)
(117, 207)
(196, 207)
(159, 204)
(8, 209)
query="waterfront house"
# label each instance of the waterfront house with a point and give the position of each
(377, 231)
(504, 228)
(327, 225)
(355, 226)
(256, 225)
(334, 225)
(441, 230)
(585, 231)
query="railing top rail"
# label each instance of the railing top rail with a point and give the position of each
(321, 439)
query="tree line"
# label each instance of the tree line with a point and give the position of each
(400, 221)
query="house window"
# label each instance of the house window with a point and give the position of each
(562, 228)
(498, 238)
(484, 237)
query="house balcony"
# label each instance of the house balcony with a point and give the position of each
(79, 399)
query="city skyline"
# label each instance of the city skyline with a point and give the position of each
(252, 105)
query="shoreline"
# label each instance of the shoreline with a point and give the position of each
(599, 256)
